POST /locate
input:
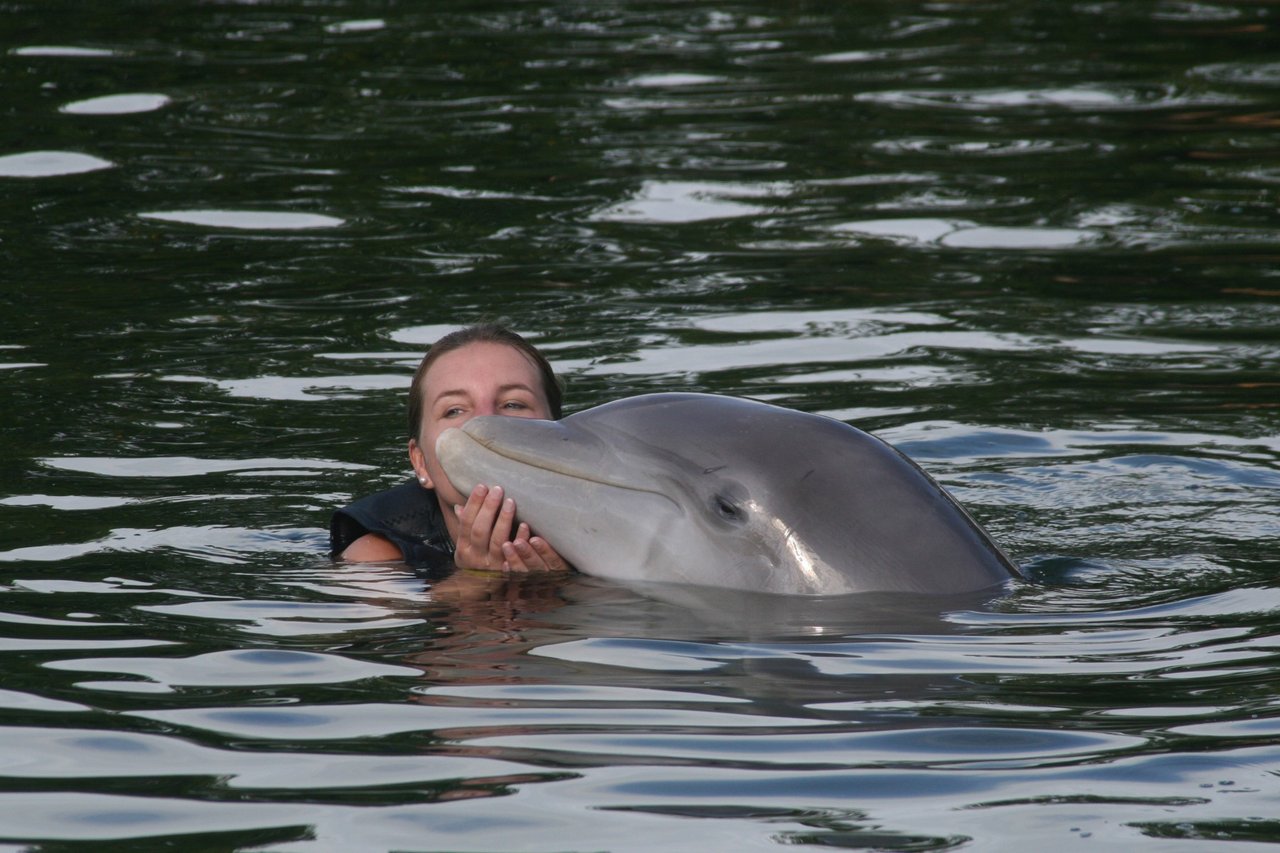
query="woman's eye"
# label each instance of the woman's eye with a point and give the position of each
(514, 405)
(453, 411)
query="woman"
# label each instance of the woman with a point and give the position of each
(480, 370)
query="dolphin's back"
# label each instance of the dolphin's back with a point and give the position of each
(903, 529)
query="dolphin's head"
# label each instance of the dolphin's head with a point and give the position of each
(724, 492)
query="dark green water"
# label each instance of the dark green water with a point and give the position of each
(1034, 244)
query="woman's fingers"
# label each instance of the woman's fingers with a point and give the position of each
(514, 558)
(476, 522)
(482, 530)
(500, 532)
(489, 537)
(550, 558)
(532, 554)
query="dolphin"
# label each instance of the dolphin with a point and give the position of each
(730, 493)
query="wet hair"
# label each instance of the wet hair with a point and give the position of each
(490, 333)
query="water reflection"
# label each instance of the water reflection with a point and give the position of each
(69, 51)
(188, 466)
(1248, 73)
(49, 164)
(110, 105)
(1032, 245)
(1081, 97)
(364, 25)
(658, 202)
(962, 234)
(291, 618)
(254, 220)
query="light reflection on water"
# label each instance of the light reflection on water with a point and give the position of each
(46, 164)
(140, 102)
(1032, 245)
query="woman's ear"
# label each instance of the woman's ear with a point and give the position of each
(418, 460)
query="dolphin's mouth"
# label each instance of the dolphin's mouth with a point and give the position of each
(532, 460)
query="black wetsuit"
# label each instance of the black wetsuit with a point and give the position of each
(408, 515)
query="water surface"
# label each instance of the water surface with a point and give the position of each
(1032, 244)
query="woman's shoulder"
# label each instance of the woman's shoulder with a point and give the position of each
(371, 548)
(406, 515)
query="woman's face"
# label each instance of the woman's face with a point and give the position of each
(481, 378)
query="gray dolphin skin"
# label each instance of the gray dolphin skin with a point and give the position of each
(726, 492)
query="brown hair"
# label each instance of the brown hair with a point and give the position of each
(481, 333)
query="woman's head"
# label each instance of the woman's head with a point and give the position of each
(484, 333)
(479, 370)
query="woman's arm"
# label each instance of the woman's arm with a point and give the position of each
(372, 548)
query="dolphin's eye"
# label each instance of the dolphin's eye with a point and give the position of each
(726, 509)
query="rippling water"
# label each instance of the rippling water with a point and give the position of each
(1032, 244)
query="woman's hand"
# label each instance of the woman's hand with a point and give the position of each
(485, 539)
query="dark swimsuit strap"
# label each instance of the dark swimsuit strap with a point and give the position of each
(408, 515)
